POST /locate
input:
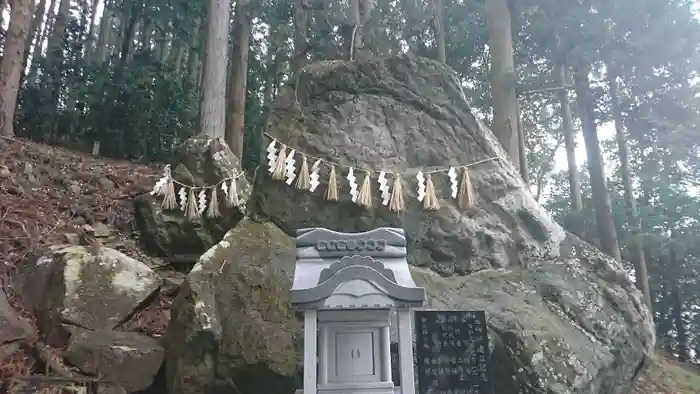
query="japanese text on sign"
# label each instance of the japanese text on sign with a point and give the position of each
(452, 352)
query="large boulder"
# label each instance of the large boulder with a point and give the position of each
(198, 161)
(405, 114)
(574, 324)
(90, 287)
(232, 327)
(563, 317)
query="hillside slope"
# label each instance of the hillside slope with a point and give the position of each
(49, 193)
(667, 376)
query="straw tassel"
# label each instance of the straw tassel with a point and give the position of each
(466, 191)
(169, 200)
(430, 203)
(396, 201)
(233, 200)
(279, 171)
(192, 209)
(364, 197)
(303, 181)
(182, 195)
(332, 192)
(159, 187)
(213, 211)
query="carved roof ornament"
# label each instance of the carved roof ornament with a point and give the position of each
(353, 270)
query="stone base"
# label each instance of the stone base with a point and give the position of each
(394, 390)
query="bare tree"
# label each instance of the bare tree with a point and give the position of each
(235, 115)
(602, 204)
(638, 259)
(505, 101)
(13, 63)
(212, 118)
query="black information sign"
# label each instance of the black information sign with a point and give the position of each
(452, 350)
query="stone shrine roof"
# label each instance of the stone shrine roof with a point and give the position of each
(353, 270)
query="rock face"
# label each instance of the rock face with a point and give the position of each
(93, 288)
(14, 330)
(13, 327)
(406, 114)
(128, 359)
(199, 161)
(563, 318)
(574, 324)
(232, 328)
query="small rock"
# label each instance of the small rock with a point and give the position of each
(5, 172)
(17, 190)
(72, 238)
(79, 220)
(110, 389)
(77, 210)
(106, 184)
(29, 172)
(101, 230)
(74, 187)
(126, 359)
(171, 282)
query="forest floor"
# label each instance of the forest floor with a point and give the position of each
(47, 192)
(667, 376)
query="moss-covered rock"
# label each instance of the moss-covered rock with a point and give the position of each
(232, 327)
(571, 325)
(127, 359)
(199, 161)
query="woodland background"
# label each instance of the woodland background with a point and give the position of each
(127, 79)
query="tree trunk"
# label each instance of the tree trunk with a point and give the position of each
(34, 34)
(54, 47)
(640, 265)
(522, 149)
(607, 232)
(300, 30)
(193, 56)
(11, 66)
(161, 45)
(357, 38)
(90, 48)
(570, 145)
(146, 34)
(128, 35)
(54, 54)
(3, 5)
(45, 28)
(213, 107)
(271, 69)
(677, 310)
(505, 116)
(439, 25)
(409, 11)
(235, 115)
(172, 57)
(104, 39)
(115, 34)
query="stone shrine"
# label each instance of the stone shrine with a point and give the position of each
(347, 284)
